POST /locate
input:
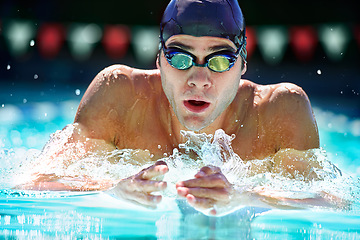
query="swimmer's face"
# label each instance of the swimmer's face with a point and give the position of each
(198, 95)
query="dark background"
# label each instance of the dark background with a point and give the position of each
(336, 89)
(149, 11)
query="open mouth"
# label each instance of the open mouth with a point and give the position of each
(196, 106)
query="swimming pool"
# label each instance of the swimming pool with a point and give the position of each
(25, 127)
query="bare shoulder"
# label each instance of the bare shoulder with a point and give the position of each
(286, 113)
(112, 92)
(119, 85)
(283, 98)
(274, 100)
(122, 78)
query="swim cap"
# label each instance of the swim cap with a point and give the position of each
(215, 18)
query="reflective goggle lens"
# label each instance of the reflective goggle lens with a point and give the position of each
(219, 63)
(183, 61)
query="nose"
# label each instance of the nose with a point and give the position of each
(199, 78)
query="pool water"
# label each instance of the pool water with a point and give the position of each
(97, 215)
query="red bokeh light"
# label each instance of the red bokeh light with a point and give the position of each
(303, 40)
(116, 40)
(50, 39)
(251, 40)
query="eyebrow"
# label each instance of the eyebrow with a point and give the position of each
(217, 48)
(222, 48)
(180, 45)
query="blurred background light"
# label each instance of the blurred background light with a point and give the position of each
(50, 39)
(146, 43)
(334, 38)
(272, 41)
(83, 38)
(250, 40)
(116, 40)
(19, 34)
(303, 40)
(10, 114)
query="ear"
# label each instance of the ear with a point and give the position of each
(243, 67)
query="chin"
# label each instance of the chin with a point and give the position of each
(194, 128)
(195, 125)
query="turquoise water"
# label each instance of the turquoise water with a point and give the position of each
(100, 216)
(71, 215)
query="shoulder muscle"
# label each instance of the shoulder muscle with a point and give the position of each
(289, 116)
(109, 98)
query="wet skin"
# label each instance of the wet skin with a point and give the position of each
(127, 108)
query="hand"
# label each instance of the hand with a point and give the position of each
(138, 188)
(208, 189)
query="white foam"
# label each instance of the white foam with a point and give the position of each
(44, 111)
(10, 114)
(333, 122)
(68, 109)
(75, 166)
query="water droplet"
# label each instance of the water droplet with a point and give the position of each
(318, 71)
(3, 105)
(341, 92)
(36, 76)
(32, 43)
(45, 114)
(77, 92)
(8, 67)
(242, 125)
(159, 146)
(24, 100)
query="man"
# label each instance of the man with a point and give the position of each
(197, 86)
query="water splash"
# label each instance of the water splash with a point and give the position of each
(77, 168)
(216, 150)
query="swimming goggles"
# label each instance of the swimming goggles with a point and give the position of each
(217, 62)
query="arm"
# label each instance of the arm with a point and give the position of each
(102, 111)
(290, 127)
(211, 193)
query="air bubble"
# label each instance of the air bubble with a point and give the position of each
(318, 71)
(77, 92)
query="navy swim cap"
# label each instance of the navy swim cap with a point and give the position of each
(215, 18)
